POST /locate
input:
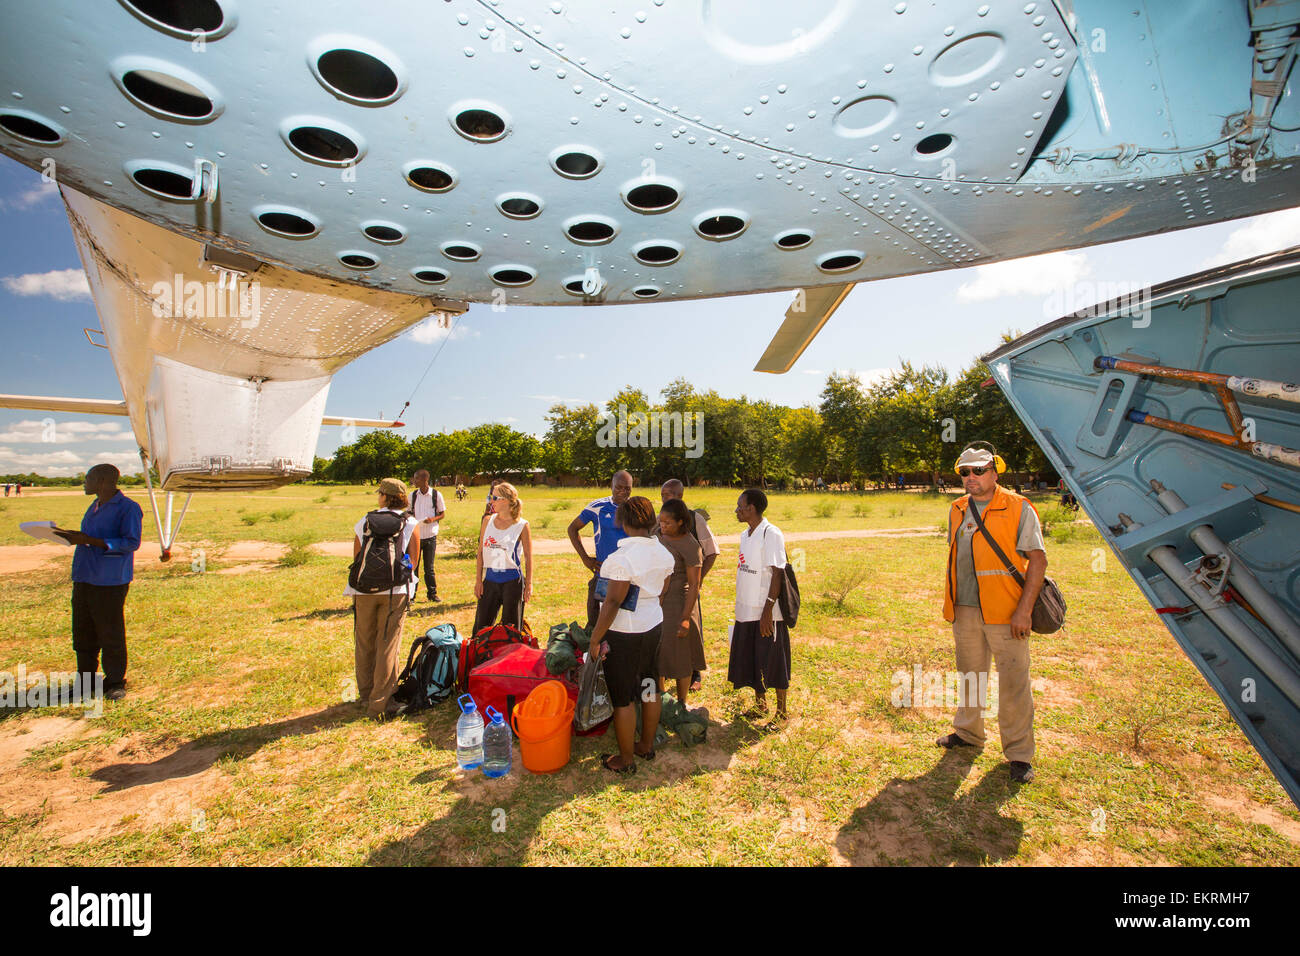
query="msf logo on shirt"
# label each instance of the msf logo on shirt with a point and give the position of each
(742, 566)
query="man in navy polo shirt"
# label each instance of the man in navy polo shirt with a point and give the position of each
(600, 513)
(102, 567)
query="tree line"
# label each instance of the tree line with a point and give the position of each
(916, 419)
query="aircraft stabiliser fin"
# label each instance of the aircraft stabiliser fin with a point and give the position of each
(809, 311)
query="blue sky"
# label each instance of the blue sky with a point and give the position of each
(510, 366)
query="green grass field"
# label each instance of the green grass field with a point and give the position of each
(237, 744)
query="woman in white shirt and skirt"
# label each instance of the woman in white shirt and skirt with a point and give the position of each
(630, 620)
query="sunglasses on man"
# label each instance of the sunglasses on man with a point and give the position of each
(973, 470)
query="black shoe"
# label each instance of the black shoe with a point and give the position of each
(1021, 772)
(435, 598)
(952, 740)
(117, 693)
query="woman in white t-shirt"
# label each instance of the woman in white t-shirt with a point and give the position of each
(630, 620)
(503, 582)
(378, 618)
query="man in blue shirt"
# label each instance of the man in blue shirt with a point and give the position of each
(600, 514)
(102, 567)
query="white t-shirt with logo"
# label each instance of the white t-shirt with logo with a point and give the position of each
(761, 550)
(407, 530)
(646, 563)
(501, 550)
(426, 506)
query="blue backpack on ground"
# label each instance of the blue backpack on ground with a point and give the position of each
(430, 674)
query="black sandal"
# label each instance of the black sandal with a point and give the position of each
(606, 758)
(648, 755)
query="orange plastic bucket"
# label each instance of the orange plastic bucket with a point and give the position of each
(544, 739)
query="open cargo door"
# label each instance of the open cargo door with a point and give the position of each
(1174, 416)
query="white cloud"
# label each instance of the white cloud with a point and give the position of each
(556, 398)
(62, 463)
(32, 196)
(431, 331)
(36, 432)
(1258, 235)
(579, 356)
(1033, 275)
(62, 284)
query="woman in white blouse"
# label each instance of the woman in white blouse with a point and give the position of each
(504, 577)
(633, 577)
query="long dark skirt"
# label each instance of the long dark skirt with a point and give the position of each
(757, 661)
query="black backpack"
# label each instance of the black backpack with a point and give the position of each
(788, 598)
(381, 563)
(430, 674)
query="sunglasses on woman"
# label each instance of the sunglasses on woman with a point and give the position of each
(973, 470)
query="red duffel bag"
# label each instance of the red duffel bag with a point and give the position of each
(508, 678)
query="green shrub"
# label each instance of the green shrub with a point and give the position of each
(543, 522)
(252, 519)
(861, 510)
(824, 509)
(560, 505)
(282, 514)
(299, 551)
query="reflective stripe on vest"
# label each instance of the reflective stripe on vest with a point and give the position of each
(998, 588)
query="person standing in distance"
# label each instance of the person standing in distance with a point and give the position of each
(600, 513)
(990, 613)
(760, 639)
(102, 568)
(428, 507)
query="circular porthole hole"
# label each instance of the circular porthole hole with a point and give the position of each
(167, 183)
(576, 162)
(480, 124)
(934, 144)
(31, 128)
(385, 232)
(357, 75)
(189, 17)
(431, 276)
(652, 197)
(573, 286)
(590, 230)
(358, 260)
(461, 251)
(842, 261)
(793, 239)
(646, 291)
(512, 275)
(431, 178)
(520, 206)
(290, 223)
(324, 145)
(167, 94)
(657, 253)
(721, 224)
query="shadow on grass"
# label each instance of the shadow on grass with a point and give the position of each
(201, 753)
(495, 821)
(320, 614)
(921, 820)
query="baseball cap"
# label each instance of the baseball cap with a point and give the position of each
(393, 486)
(975, 457)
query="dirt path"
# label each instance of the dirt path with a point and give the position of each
(257, 555)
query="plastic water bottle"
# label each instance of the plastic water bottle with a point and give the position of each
(469, 735)
(496, 745)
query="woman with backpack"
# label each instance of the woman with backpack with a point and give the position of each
(630, 584)
(502, 582)
(681, 644)
(385, 552)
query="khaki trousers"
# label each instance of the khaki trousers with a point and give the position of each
(378, 633)
(976, 641)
